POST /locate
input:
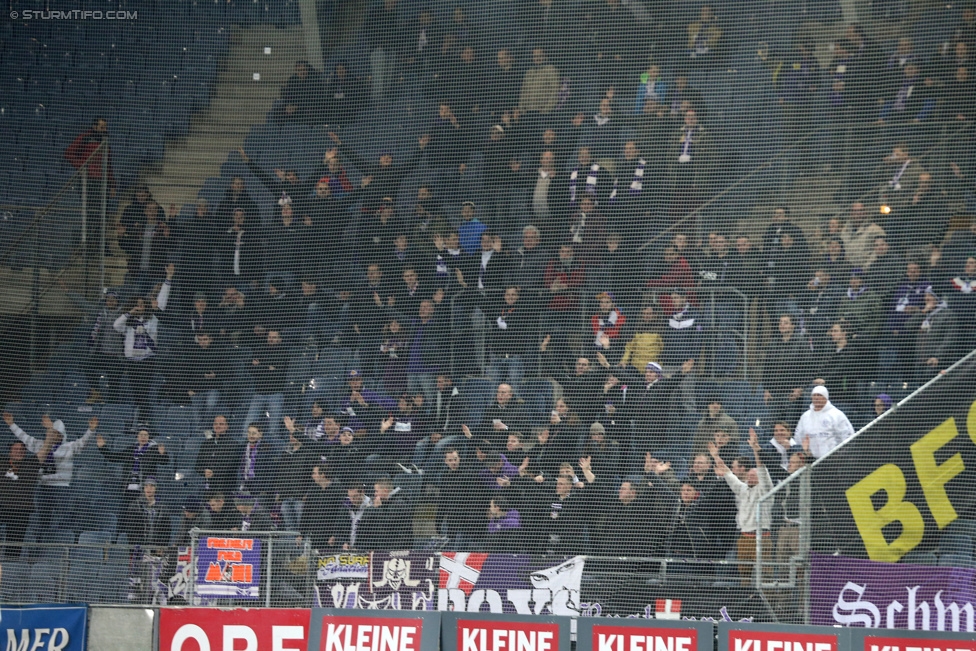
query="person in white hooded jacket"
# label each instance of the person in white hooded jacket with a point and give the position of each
(822, 427)
(57, 465)
(141, 329)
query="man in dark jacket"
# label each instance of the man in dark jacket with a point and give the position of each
(387, 178)
(17, 496)
(786, 372)
(637, 523)
(293, 477)
(268, 369)
(502, 416)
(217, 458)
(461, 500)
(560, 514)
(323, 507)
(147, 521)
(250, 515)
(387, 524)
(256, 469)
(140, 459)
(650, 412)
(936, 332)
(302, 95)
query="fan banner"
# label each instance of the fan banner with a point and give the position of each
(228, 567)
(853, 592)
(44, 627)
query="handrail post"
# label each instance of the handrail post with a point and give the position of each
(102, 235)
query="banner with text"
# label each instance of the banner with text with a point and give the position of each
(735, 636)
(895, 487)
(391, 630)
(865, 639)
(520, 584)
(281, 629)
(228, 568)
(44, 627)
(853, 592)
(611, 634)
(484, 632)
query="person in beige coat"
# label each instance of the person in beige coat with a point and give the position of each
(540, 86)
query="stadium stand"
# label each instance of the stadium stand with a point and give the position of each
(589, 278)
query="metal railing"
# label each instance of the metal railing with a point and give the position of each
(802, 480)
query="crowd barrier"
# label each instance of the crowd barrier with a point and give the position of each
(83, 628)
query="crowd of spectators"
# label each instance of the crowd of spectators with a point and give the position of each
(537, 274)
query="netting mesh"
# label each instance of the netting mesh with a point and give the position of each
(560, 286)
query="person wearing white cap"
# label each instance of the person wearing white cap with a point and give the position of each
(822, 427)
(57, 463)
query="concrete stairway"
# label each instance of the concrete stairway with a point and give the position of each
(238, 102)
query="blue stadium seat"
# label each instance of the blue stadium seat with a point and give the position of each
(15, 584)
(44, 583)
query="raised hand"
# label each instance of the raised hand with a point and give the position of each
(244, 156)
(100, 441)
(467, 432)
(386, 424)
(46, 421)
(289, 423)
(753, 440)
(8, 418)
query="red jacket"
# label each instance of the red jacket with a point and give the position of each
(611, 330)
(564, 301)
(79, 151)
(679, 275)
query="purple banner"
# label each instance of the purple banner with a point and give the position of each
(852, 592)
(228, 568)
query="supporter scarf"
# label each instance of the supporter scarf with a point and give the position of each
(506, 312)
(637, 184)
(851, 294)
(904, 93)
(141, 339)
(894, 182)
(681, 320)
(927, 323)
(137, 459)
(250, 461)
(590, 182)
(49, 467)
(965, 285)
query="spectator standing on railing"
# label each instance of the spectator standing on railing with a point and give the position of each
(747, 493)
(56, 458)
(17, 487)
(140, 459)
(822, 427)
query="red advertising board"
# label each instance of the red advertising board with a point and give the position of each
(765, 640)
(243, 629)
(365, 633)
(897, 643)
(512, 635)
(608, 637)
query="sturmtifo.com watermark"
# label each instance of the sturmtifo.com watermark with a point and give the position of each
(73, 14)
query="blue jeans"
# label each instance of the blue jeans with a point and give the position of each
(272, 404)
